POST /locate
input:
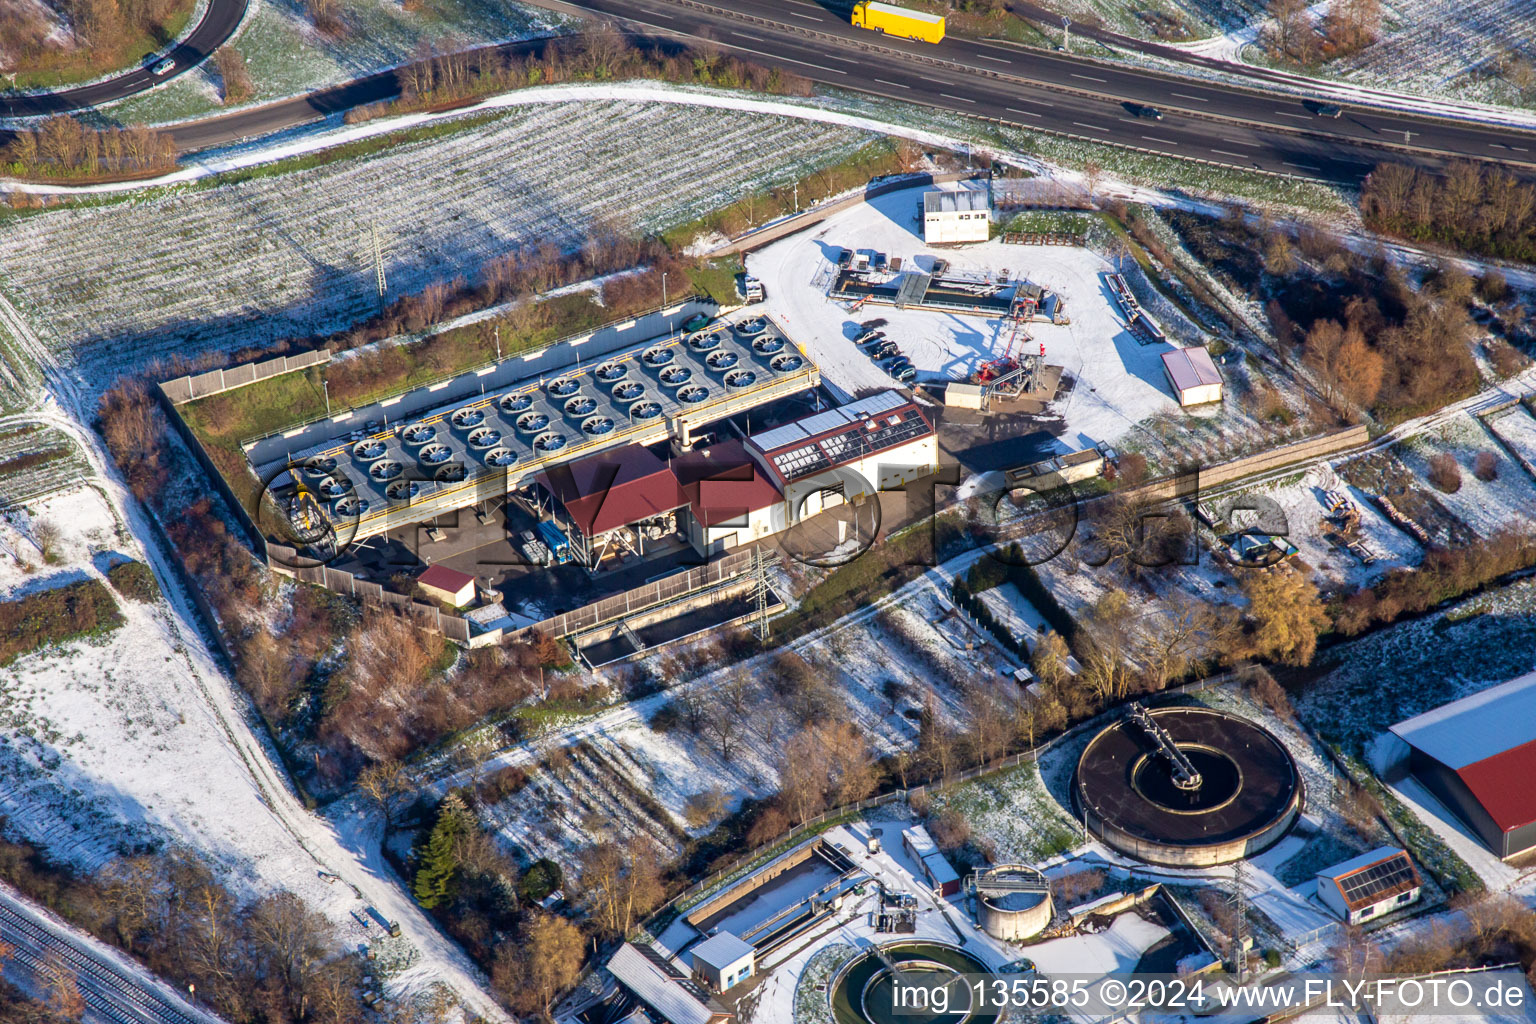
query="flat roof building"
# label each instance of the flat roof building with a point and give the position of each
(1192, 376)
(879, 442)
(723, 961)
(1370, 885)
(953, 217)
(1478, 756)
(667, 991)
(941, 875)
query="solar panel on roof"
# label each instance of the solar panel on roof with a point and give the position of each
(880, 402)
(778, 437)
(1365, 885)
(823, 421)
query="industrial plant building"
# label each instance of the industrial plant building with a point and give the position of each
(951, 218)
(1478, 756)
(1370, 885)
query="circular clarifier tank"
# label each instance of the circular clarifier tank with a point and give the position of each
(1230, 790)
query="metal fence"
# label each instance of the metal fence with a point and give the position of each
(427, 616)
(668, 588)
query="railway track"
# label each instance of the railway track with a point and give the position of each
(109, 993)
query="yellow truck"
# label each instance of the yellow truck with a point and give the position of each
(898, 21)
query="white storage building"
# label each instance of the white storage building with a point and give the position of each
(950, 218)
(1192, 376)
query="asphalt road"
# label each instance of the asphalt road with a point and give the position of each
(1090, 99)
(218, 24)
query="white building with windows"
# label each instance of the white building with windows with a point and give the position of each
(877, 443)
(950, 218)
(1369, 885)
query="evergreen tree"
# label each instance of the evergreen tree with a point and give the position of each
(438, 861)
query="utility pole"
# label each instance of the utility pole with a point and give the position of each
(1238, 901)
(378, 262)
(760, 593)
(1066, 33)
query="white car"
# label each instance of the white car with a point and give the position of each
(164, 67)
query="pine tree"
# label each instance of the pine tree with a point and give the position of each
(438, 861)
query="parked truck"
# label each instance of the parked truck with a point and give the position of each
(898, 21)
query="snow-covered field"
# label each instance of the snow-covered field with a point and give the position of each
(1119, 382)
(107, 744)
(286, 56)
(880, 692)
(217, 268)
(1482, 505)
(1439, 47)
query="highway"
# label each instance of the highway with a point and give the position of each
(1031, 88)
(1072, 95)
(112, 993)
(219, 22)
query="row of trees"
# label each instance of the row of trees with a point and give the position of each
(441, 75)
(63, 147)
(1294, 35)
(1480, 209)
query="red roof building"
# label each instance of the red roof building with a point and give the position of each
(1478, 756)
(448, 585)
(723, 483)
(610, 490)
